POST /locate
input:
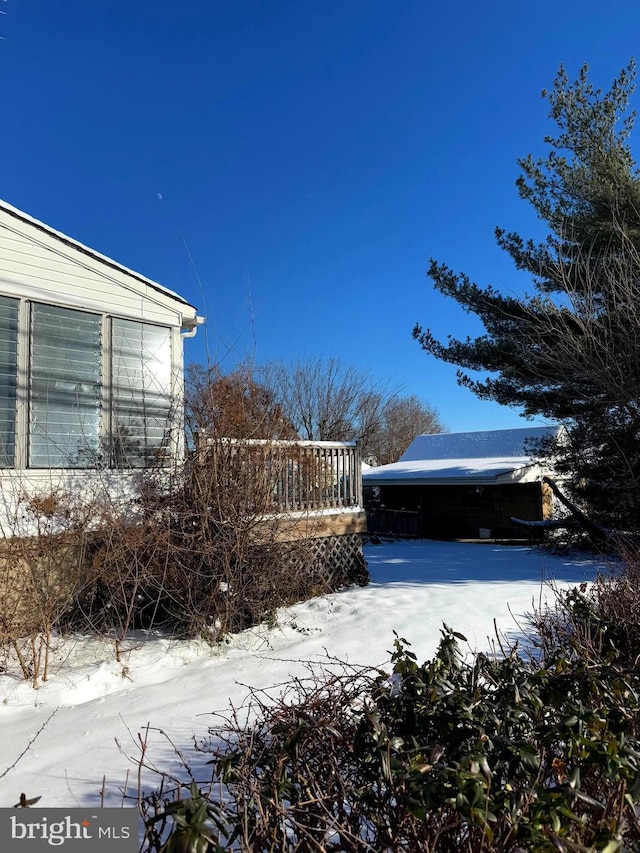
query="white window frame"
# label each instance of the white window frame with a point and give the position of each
(107, 414)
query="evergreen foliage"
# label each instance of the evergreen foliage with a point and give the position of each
(480, 753)
(570, 350)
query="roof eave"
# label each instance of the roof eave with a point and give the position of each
(430, 481)
(94, 255)
(526, 473)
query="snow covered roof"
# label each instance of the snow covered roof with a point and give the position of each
(485, 444)
(483, 457)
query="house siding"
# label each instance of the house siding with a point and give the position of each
(42, 267)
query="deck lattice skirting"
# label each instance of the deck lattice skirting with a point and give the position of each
(339, 555)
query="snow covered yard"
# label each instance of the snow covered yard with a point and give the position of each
(93, 703)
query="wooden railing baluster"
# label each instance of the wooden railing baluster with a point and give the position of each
(299, 475)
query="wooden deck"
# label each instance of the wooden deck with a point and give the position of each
(294, 491)
(316, 486)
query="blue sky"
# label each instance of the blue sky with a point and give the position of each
(290, 167)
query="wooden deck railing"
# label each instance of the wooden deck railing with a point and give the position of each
(291, 475)
(397, 522)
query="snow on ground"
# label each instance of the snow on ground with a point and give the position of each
(99, 705)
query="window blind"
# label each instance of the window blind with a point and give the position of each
(8, 378)
(65, 388)
(141, 395)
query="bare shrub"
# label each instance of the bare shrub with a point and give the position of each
(600, 620)
(212, 550)
(276, 773)
(40, 574)
(205, 547)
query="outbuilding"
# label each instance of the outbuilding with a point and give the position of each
(465, 485)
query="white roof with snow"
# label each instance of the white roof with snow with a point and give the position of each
(483, 457)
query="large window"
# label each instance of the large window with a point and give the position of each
(94, 390)
(8, 379)
(66, 355)
(140, 393)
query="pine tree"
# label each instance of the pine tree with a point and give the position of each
(570, 352)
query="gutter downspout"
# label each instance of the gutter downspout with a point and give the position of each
(193, 328)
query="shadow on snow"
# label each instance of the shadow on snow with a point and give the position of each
(431, 562)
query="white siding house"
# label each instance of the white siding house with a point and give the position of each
(91, 360)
